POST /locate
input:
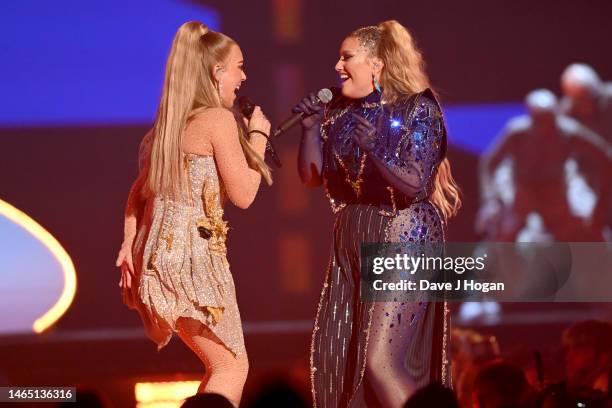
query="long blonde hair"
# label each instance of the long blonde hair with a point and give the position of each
(404, 74)
(189, 87)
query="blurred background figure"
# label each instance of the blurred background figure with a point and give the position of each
(546, 178)
(470, 351)
(587, 99)
(587, 347)
(502, 385)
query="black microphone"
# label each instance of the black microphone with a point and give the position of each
(324, 96)
(246, 106)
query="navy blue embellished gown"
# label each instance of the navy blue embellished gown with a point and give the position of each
(360, 348)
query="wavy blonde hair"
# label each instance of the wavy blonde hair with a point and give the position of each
(404, 74)
(189, 88)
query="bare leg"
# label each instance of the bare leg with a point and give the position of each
(224, 373)
(393, 327)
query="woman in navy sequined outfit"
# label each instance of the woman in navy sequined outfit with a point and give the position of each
(378, 148)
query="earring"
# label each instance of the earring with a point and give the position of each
(376, 84)
(219, 86)
(219, 89)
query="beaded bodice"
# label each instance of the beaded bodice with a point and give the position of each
(410, 135)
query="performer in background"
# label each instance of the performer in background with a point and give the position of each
(588, 99)
(379, 149)
(540, 158)
(174, 269)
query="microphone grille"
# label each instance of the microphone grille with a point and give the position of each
(246, 106)
(325, 95)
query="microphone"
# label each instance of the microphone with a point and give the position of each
(324, 96)
(246, 107)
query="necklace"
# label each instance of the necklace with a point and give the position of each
(355, 184)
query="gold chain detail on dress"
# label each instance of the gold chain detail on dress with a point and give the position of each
(355, 184)
(332, 202)
(313, 369)
(331, 121)
(393, 211)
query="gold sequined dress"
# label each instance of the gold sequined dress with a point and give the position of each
(180, 262)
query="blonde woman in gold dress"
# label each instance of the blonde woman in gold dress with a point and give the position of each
(174, 269)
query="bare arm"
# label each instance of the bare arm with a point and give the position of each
(134, 208)
(133, 213)
(219, 127)
(136, 202)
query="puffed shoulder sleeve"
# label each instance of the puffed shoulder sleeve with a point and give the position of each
(415, 142)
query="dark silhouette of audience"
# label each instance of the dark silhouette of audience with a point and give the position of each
(207, 400)
(502, 385)
(278, 394)
(433, 395)
(87, 397)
